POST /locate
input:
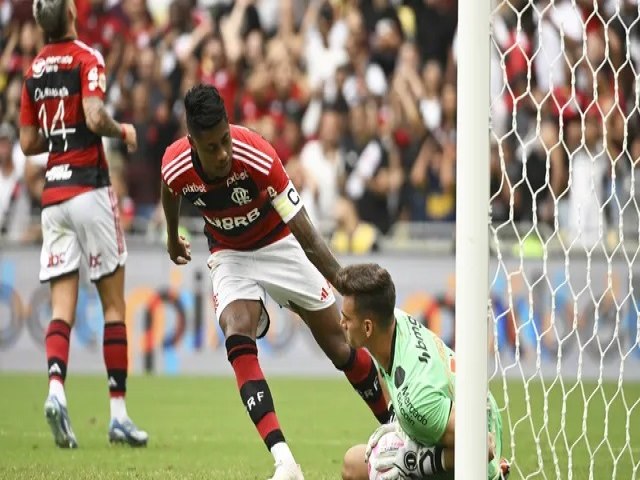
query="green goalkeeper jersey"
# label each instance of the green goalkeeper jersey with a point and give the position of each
(421, 381)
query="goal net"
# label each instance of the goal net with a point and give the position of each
(565, 208)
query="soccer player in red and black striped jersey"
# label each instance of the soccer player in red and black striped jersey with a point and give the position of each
(261, 242)
(62, 113)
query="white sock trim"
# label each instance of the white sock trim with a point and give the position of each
(281, 453)
(56, 388)
(118, 408)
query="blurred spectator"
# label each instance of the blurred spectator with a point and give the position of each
(351, 234)
(14, 205)
(289, 140)
(324, 167)
(156, 130)
(217, 69)
(544, 163)
(563, 20)
(433, 182)
(436, 26)
(325, 38)
(430, 105)
(501, 171)
(590, 170)
(367, 169)
(630, 193)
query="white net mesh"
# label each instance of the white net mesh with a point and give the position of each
(565, 231)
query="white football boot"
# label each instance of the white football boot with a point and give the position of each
(287, 471)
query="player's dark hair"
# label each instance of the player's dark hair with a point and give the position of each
(51, 15)
(204, 108)
(372, 289)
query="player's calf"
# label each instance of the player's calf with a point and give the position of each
(242, 353)
(239, 321)
(361, 372)
(357, 364)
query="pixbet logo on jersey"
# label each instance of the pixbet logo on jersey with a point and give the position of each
(193, 188)
(236, 177)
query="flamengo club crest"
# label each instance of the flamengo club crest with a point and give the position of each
(240, 196)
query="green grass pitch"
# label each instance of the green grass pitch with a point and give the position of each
(199, 429)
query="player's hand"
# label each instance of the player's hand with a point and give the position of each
(130, 137)
(179, 250)
(377, 435)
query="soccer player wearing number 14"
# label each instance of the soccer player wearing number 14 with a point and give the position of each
(261, 241)
(418, 370)
(62, 113)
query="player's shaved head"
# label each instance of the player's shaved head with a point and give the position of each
(372, 289)
(52, 17)
(204, 108)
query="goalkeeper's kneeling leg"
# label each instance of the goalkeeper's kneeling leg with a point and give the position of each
(353, 465)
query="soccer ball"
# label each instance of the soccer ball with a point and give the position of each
(389, 441)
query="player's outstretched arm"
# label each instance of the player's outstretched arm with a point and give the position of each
(32, 142)
(314, 246)
(178, 247)
(101, 123)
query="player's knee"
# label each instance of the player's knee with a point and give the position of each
(111, 291)
(236, 322)
(340, 355)
(326, 329)
(353, 465)
(114, 309)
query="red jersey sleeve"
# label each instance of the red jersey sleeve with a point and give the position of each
(28, 114)
(92, 74)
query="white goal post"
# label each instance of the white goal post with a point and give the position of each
(472, 239)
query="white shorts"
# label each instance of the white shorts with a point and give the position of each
(88, 226)
(281, 270)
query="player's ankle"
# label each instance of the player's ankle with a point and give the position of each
(282, 454)
(56, 389)
(118, 408)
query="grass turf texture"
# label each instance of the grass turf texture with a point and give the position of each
(198, 429)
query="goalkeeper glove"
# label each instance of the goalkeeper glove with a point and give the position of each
(375, 437)
(411, 461)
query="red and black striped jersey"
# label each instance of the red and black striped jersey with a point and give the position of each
(61, 75)
(248, 208)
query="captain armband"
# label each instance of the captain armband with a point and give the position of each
(287, 203)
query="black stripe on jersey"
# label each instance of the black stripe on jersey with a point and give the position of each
(69, 79)
(266, 240)
(223, 198)
(80, 139)
(66, 176)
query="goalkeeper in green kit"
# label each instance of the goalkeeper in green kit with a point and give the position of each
(418, 370)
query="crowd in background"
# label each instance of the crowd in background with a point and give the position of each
(358, 98)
